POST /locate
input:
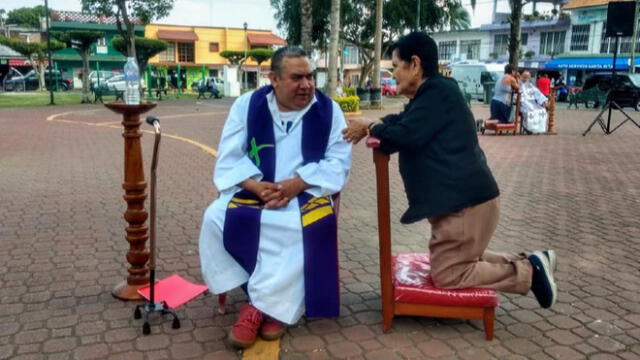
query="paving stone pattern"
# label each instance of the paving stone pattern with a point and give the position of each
(63, 246)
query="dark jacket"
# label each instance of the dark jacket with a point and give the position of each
(441, 163)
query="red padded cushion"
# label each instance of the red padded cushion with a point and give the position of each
(504, 126)
(412, 283)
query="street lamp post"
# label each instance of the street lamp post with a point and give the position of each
(244, 71)
(46, 16)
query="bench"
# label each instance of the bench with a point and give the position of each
(203, 90)
(595, 95)
(103, 90)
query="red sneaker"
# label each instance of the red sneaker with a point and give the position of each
(245, 331)
(272, 329)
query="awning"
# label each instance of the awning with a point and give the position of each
(177, 35)
(595, 63)
(265, 39)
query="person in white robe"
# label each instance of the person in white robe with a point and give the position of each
(276, 288)
(533, 106)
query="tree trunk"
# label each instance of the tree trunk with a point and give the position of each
(514, 35)
(307, 25)
(333, 47)
(85, 75)
(40, 70)
(377, 102)
(130, 38)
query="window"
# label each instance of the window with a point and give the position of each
(214, 47)
(446, 49)
(169, 55)
(471, 48)
(350, 55)
(580, 37)
(500, 44)
(552, 43)
(608, 44)
(524, 39)
(101, 46)
(185, 52)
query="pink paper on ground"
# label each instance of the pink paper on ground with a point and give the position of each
(174, 290)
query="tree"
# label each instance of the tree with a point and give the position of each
(307, 25)
(333, 47)
(125, 11)
(514, 33)
(358, 19)
(234, 56)
(457, 18)
(82, 41)
(26, 16)
(145, 49)
(260, 56)
(35, 52)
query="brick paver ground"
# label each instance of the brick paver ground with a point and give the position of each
(62, 245)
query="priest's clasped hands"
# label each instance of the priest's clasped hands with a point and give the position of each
(275, 195)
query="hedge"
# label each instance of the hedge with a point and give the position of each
(348, 103)
(350, 91)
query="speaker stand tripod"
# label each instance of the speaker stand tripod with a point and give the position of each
(610, 104)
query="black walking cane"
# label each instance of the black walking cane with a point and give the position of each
(152, 306)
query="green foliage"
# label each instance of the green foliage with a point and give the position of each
(26, 16)
(81, 40)
(145, 10)
(260, 55)
(33, 49)
(289, 19)
(529, 54)
(350, 91)
(233, 56)
(145, 49)
(348, 103)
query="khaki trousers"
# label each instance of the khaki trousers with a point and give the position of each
(459, 255)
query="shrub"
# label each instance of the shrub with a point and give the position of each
(350, 91)
(348, 103)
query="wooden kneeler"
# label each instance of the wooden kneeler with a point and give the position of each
(406, 285)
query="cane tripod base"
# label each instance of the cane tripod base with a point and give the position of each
(124, 291)
(147, 309)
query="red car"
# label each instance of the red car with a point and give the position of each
(388, 87)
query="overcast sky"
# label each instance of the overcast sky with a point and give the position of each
(257, 13)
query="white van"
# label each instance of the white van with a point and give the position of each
(472, 75)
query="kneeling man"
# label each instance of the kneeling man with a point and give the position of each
(273, 230)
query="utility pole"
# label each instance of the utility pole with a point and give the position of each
(376, 101)
(634, 39)
(46, 16)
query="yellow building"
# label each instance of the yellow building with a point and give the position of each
(195, 49)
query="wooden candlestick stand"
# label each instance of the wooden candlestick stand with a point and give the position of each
(135, 194)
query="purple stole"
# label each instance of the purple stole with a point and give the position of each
(241, 234)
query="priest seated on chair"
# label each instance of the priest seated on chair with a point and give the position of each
(272, 230)
(534, 105)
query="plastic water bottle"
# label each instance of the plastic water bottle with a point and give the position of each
(132, 81)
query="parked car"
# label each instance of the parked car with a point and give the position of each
(471, 76)
(626, 93)
(104, 76)
(219, 83)
(389, 87)
(30, 81)
(117, 82)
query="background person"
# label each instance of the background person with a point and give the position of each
(503, 98)
(447, 180)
